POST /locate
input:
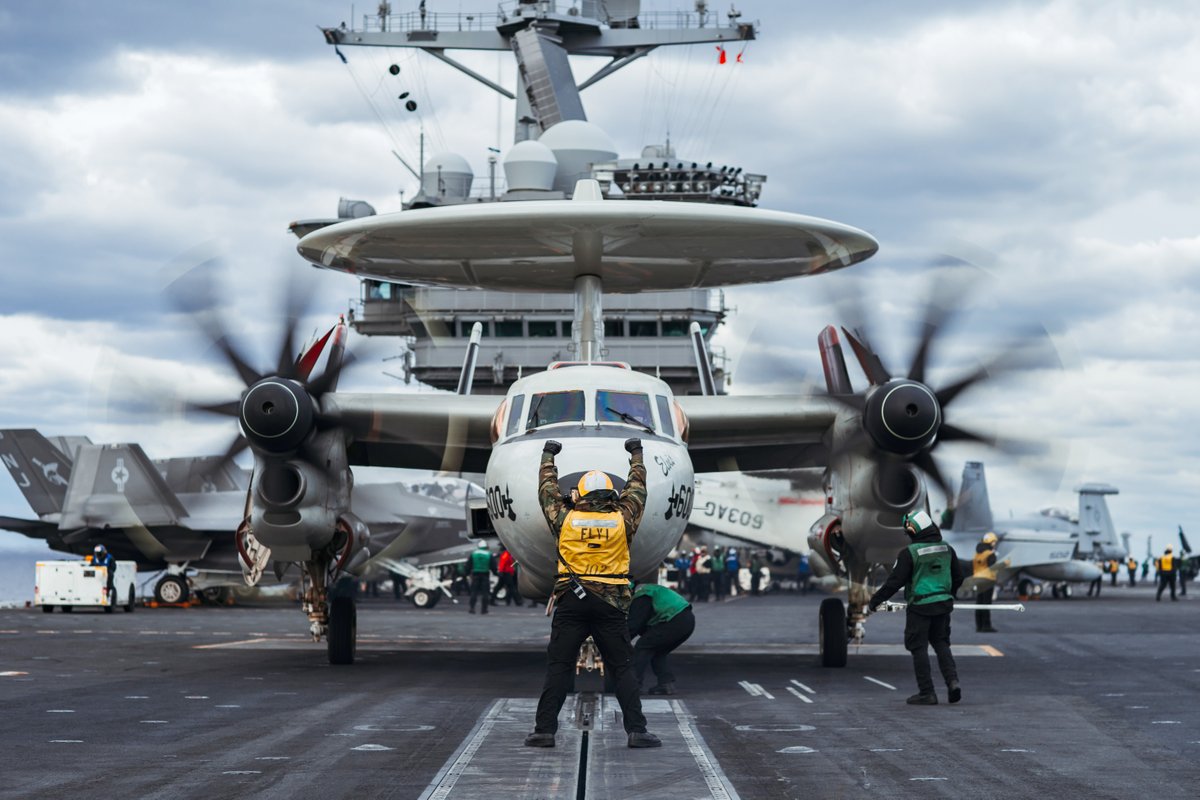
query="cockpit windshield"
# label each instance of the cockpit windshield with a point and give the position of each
(628, 407)
(550, 407)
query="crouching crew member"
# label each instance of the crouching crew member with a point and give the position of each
(592, 593)
(930, 575)
(662, 620)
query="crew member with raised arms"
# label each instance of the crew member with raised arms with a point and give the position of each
(930, 575)
(983, 569)
(592, 594)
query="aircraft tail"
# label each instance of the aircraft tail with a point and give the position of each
(1098, 536)
(973, 509)
(40, 470)
(118, 486)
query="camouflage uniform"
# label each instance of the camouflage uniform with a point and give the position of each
(631, 503)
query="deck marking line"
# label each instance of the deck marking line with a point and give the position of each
(220, 645)
(763, 691)
(887, 749)
(802, 686)
(881, 683)
(797, 749)
(1015, 750)
(12, 674)
(60, 711)
(750, 688)
(714, 777)
(929, 779)
(242, 772)
(452, 770)
(991, 651)
(1166, 722)
(66, 741)
(798, 693)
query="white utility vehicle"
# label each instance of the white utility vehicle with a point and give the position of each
(77, 583)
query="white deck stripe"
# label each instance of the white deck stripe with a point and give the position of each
(802, 686)
(763, 691)
(799, 694)
(751, 688)
(881, 683)
(453, 769)
(714, 777)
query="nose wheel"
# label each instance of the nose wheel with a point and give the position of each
(833, 633)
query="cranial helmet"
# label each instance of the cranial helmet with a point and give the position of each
(919, 521)
(594, 480)
(990, 538)
(99, 550)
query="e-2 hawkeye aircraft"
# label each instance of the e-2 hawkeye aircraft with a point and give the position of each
(306, 437)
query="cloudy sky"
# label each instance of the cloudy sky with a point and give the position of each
(1052, 144)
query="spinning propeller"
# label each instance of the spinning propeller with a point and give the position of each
(903, 417)
(281, 405)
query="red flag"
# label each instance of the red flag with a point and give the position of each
(721, 58)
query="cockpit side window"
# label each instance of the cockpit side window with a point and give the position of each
(664, 415)
(514, 416)
(628, 407)
(550, 407)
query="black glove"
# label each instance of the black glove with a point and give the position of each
(552, 447)
(633, 445)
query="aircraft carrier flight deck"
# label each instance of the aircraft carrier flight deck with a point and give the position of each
(1080, 698)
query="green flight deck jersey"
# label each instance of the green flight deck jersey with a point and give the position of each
(667, 603)
(931, 579)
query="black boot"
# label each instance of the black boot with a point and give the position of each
(923, 699)
(663, 688)
(955, 691)
(536, 739)
(643, 739)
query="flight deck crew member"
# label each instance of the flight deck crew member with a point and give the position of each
(984, 569)
(592, 593)
(1131, 565)
(930, 575)
(1167, 568)
(102, 558)
(506, 570)
(1113, 569)
(662, 620)
(479, 563)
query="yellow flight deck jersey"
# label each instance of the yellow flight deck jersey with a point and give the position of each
(595, 546)
(982, 564)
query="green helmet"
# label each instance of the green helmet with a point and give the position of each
(919, 521)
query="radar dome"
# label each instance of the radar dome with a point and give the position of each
(447, 175)
(577, 144)
(530, 165)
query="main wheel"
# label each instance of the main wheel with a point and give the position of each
(1065, 591)
(832, 631)
(171, 589)
(48, 609)
(1025, 587)
(343, 630)
(131, 597)
(425, 598)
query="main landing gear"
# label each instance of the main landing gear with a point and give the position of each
(834, 636)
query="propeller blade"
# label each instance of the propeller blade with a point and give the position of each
(248, 374)
(236, 447)
(924, 461)
(296, 304)
(947, 298)
(1030, 350)
(333, 372)
(232, 408)
(876, 373)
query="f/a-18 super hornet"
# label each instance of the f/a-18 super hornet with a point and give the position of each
(1051, 546)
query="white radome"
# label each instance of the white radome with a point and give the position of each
(447, 174)
(530, 166)
(577, 145)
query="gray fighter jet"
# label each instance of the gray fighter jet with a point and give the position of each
(180, 514)
(1051, 546)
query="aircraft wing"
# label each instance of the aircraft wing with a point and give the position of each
(448, 432)
(732, 433)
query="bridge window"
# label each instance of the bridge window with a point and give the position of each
(514, 417)
(628, 407)
(643, 327)
(465, 325)
(509, 328)
(543, 328)
(664, 415)
(675, 327)
(550, 407)
(614, 327)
